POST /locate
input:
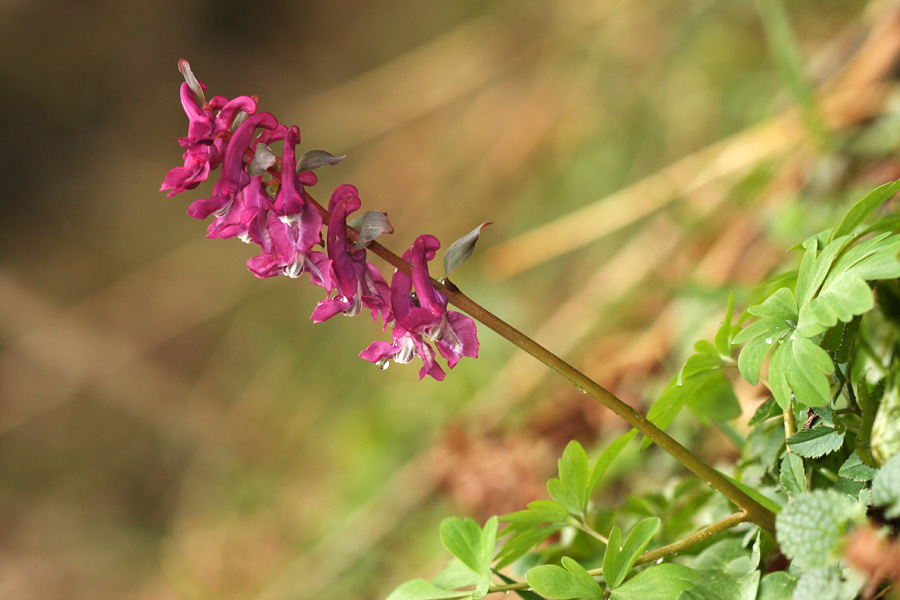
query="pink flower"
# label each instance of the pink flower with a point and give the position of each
(423, 318)
(208, 127)
(245, 217)
(358, 282)
(234, 176)
(290, 195)
(287, 243)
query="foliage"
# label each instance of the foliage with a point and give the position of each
(820, 343)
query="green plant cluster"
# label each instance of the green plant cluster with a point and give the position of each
(823, 452)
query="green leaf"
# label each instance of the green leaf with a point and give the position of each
(584, 581)
(811, 526)
(748, 585)
(864, 207)
(849, 487)
(611, 556)
(561, 494)
(826, 584)
(538, 513)
(522, 541)
(756, 553)
(709, 395)
(793, 475)
(889, 223)
(778, 312)
(473, 546)
(571, 489)
(419, 589)
(885, 436)
(841, 339)
(841, 299)
(801, 368)
(263, 159)
(727, 557)
(844, 292)
(777, 586)
(563, 583)
(712, 398)
(456, 575)
(886, 487)
(700, 385)
(873, 259)
(780, 305)
(853, 468)
(816, 442)
(814, 267)
(713, 586)
(573, 471)
(634, 545)
(765, 411)
(722, 339)
(660, 582)
(868, 405)
(462, 538)
(606, 459)
(788, 279)
(754, 353)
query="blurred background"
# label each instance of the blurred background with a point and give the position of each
(172, 427)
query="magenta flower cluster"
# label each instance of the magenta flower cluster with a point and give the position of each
(260, 199)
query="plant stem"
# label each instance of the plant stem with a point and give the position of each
(790, 425)
(583, 526)
(656, 553)
(696, 538)
(757, 512)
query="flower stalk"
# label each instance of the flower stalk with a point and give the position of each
(756, 512)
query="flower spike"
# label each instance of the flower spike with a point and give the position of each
(287, 227)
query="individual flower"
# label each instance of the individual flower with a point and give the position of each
(209, 124)
(455, 337)
(289, 198)
(246, 215)
(245, 218)
(234, 177)
(423, 317)
(287, 242)
(358, 282)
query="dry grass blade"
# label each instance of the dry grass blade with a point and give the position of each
(410, 86)
(728, 158)
(850, 96)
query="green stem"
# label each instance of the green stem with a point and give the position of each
(693, 539)
(583, 526)
(757, 512)
(790, 425)
(656, 553)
